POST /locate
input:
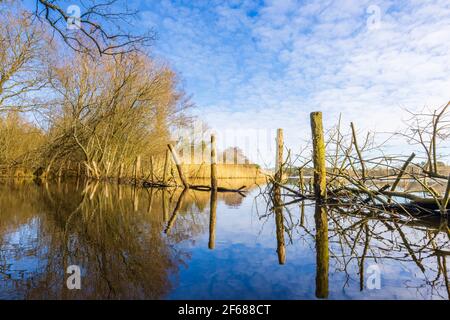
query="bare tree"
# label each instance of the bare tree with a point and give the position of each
(21, 59)
(103, 25)
(427, 129)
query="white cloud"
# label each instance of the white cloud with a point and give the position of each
(269, 66)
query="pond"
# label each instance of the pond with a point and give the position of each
(167, 244)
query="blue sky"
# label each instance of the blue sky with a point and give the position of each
(268, 64)
(254, 66)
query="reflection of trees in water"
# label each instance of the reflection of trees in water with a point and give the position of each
(113, 232)
(348, 241)
(362, 238)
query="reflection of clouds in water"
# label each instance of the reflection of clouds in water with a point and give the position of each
(124, 253)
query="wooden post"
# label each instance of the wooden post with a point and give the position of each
(166, 166)
(213, 163)
(178, 165)
(137, 169)
(279, 156)
(320, 174)
(235, 156)
(119, 178)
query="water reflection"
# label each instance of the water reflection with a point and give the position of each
(157, 244)
(279, 222)
(212, 220)
(322, 256)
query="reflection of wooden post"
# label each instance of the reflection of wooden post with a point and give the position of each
(322, 256)
(212, 220)
(166, 166)
(137, 169)
(165, 206)
(302, 214)
(213, 163)
(175, 211)
(320, 174)
(178, 165)
(277, 204)
(279, 156)
(135, 199)
(281, 250)
(119, 178)
(120, 192)
(150, 201)
(106, 190)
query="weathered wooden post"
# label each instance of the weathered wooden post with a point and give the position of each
(213, 163)
(279, 156)
(178, 165)
(320, 174)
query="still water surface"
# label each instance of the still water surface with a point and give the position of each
(165, 244)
